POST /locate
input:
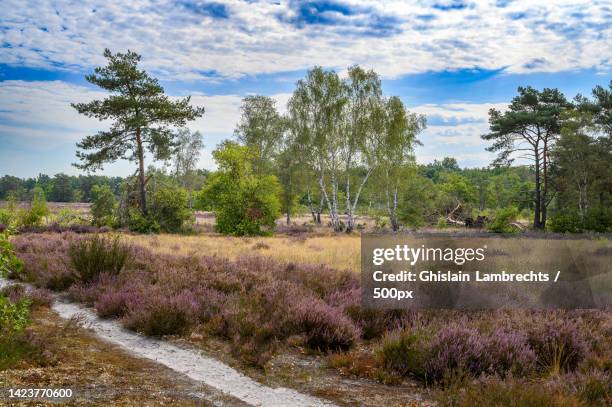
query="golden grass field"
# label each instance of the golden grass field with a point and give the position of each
(341, 251)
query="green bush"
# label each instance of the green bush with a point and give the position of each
(564, 222)
(442, 223)
(141, 224)
(38, 210)
(10, 264)
(169, 208)
(98, 254)
(103, 206)
(245, 203)
(13, 317)
(404, 353)
(502, 220)
(599, 219)
(7, 217)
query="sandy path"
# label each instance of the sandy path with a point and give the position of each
(189, 362)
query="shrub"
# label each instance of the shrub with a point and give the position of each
(36, 297)
(104, 206)
(502, 220)
(442, 223)
(159, 314)
(7, 217)
(169, 208)
(38, 210)
(98, 254)
(456, 350)
(14, 317)
(244, 203)
(558, 345)
(404, 353)
(325, 327)
(137, 222)
(509, 353)
(504, 394)
(562, 222)
(10, 264)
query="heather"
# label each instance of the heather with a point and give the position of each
(261, 306)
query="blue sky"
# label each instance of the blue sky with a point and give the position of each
(451, 60)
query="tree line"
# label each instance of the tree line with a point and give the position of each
(344, 148)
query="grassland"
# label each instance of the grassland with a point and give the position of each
(339, 251)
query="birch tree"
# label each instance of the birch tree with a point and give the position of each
(396, 152)
(315, 114)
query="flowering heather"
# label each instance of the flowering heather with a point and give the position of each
(259, 304)
(558, 344)
(457, 348)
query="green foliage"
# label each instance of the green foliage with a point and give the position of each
(143, 117)
(561, 222)
(37, 211)
(10, 264)
(442, 223)
(244, 203)
(404, 353)
(104, 206)
(92, 256)
(502, 220)
(137, 222)
(13, 317)
(169, 208)
(67, 217)
(7, 217)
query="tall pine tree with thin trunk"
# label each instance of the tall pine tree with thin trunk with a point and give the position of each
(143, 118)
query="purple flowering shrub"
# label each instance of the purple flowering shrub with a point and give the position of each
(259, 304)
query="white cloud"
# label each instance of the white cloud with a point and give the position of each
(178, 42)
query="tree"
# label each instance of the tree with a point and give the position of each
(396, 153)
(103, 206)
(143, 116)
(600, 108)
(260, 128)
(244, 202)
(529, 127)
(186, 156)
(62, 189)
(360, 140)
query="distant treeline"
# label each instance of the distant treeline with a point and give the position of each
(70, 188)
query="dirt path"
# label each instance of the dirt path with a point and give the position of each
(189, 362)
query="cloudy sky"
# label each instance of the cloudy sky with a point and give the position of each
(449, 59)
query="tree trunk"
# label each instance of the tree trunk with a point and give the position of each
(141, 174)
(538, 198)
(350, 209)
(545, 201)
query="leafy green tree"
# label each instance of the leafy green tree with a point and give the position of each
(529, 129)
(315, 113)
(104, 205)
(261, 128)
(62, 189)
(186, 156)
(396, 152)
(143, 116)
(169, 208)
(245, 203)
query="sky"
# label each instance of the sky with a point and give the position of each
(451, 60)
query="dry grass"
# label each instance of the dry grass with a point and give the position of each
(340, 251)
(99, 373)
